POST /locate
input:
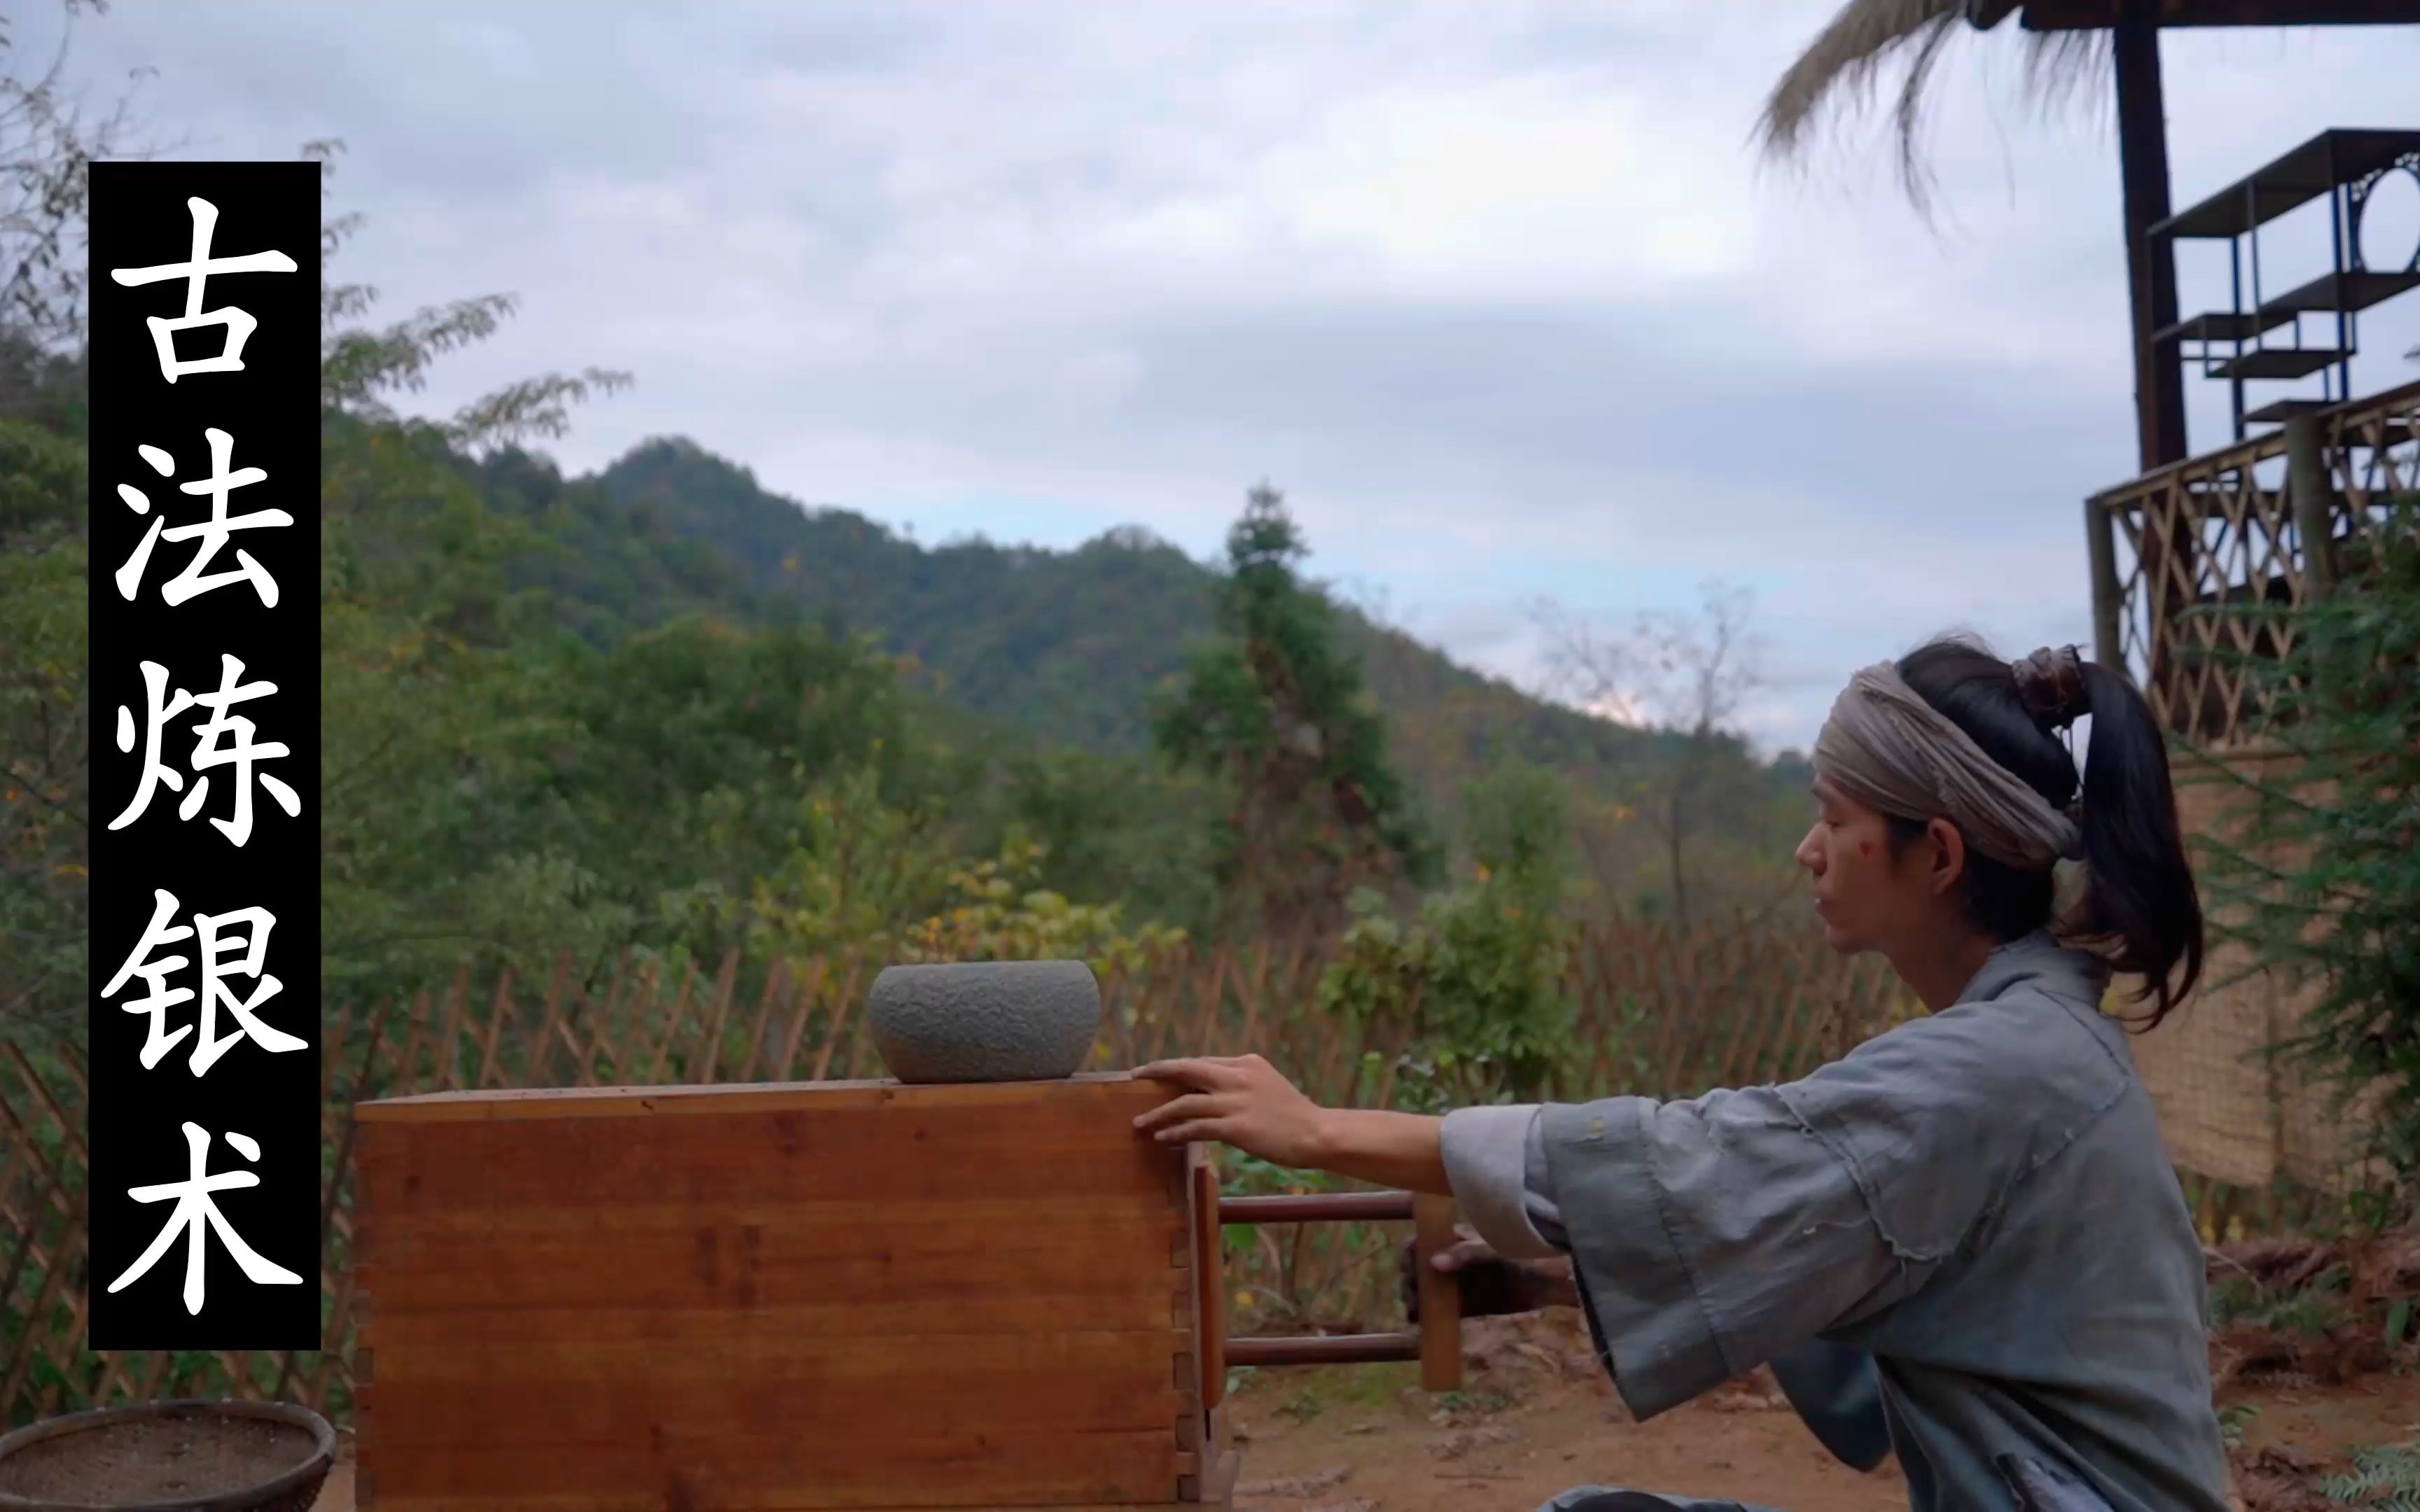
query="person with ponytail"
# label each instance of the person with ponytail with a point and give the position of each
(1961, 1243)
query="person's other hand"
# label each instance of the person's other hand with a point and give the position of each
(1238, 1100)
(1489, 1285)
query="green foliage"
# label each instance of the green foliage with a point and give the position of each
(2313, 1310)
(1057, 661)
(47, 147)
(1299, 1271)
(2384, 1476)
(1476, 979)
(2324, 882)
(1071, 643)
(1109, 827)
(1482, 1401)
(360, 368)
(1276, 712)
(45, 789)
(2233, 1420)
(1518, 826)
(1001, 915)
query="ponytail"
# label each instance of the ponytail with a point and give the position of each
(2141, 899)
(2141, 907)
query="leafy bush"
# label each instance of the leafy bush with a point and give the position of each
(2384, 1476)
(2324, 881)
(1475, 980)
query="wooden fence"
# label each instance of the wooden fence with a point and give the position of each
(1656, 1012)
(2229, 529)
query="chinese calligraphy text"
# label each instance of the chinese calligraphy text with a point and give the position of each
(205, 1042)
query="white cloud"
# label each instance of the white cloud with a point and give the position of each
(1498, 294)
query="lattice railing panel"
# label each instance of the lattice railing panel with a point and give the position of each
(2220, 530)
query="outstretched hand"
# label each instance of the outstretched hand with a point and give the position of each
(1240, 1101)
(1487, 1284)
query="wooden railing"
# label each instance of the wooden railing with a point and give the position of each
(2237, 527)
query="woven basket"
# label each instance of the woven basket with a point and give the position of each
(169, 1456)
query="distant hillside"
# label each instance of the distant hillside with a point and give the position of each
(1070, 645)
(1070, 642)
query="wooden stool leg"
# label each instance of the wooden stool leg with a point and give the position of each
(1211, 1281)
(1440, 1296)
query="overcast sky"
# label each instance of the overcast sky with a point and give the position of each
(1494, 291)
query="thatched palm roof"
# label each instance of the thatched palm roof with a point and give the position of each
(1842, 66)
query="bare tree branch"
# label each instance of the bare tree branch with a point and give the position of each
(46, 148)
(1685, 676)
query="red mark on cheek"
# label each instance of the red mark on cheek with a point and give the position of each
(1865, 848)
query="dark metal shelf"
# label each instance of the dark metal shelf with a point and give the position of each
(2277, 412)
(2334, 293)
(2328, 294)
(2329, 161)
(2222, 325)
(2100, 15)
(2279, 362)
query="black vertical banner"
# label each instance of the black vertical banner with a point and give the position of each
(205, 673)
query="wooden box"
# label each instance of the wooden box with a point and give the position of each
(778, 1297)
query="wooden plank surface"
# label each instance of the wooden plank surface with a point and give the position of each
(808, 1296)
(763, 1156)
(523, 1102)
(669, 1270)
(839, 1393)
(1106, 1303)
(668, 1472)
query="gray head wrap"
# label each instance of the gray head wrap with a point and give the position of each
(1886, 748)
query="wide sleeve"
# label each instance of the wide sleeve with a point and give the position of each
(1836, 1392)
(1494, 1159)
(1709, 1236)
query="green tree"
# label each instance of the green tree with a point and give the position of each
(1276, 711)
(1111, 827)
(1476, 980)
(46, 145)
(1518, 826)
(2323, 878)
(45, 769)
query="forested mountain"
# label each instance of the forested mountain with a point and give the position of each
(1073, 646)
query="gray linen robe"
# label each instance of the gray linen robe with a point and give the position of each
(1963, 1242)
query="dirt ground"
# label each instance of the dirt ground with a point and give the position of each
(1536, 1417)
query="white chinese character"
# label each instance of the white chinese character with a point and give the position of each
(240, 325)
(195, 1208)
(207, 753)
(215, 972)
(213, 532)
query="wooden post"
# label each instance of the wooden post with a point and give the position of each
(2101, 540)
(1210, 1282)
(1440, 1296)
(2307, 492)
(2150, 268)
(1437, 1345)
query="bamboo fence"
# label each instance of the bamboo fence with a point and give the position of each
(2229, 529)
(1655, 1012)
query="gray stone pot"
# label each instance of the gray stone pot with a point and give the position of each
(986, 1021)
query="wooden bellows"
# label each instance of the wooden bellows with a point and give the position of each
(806, 1296)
